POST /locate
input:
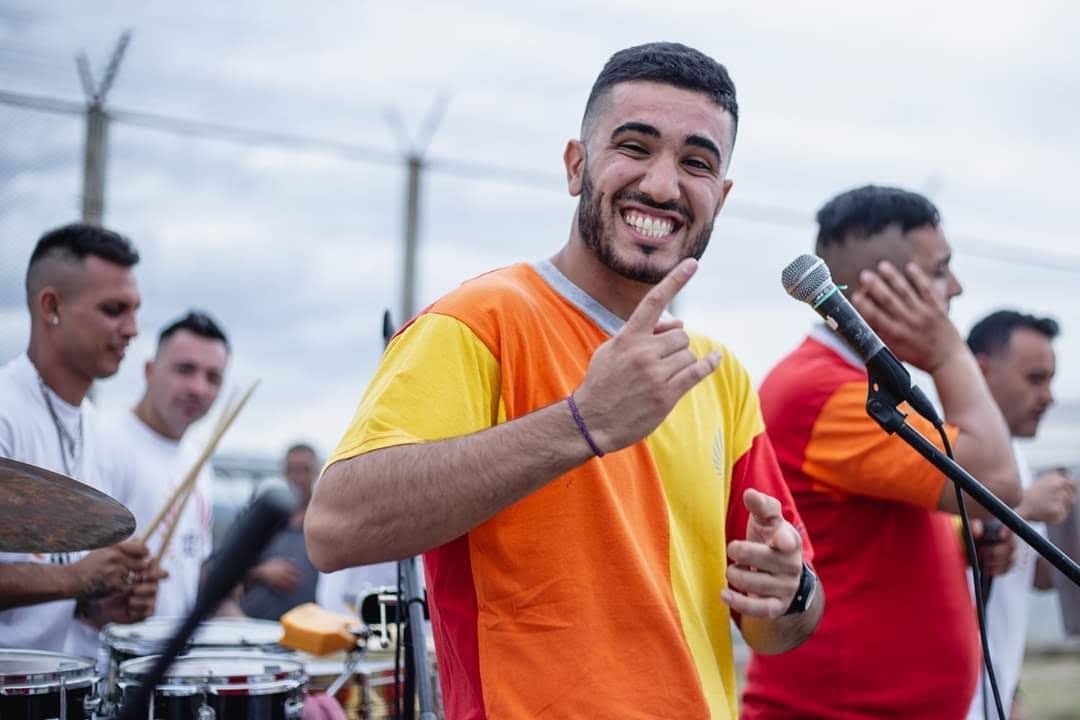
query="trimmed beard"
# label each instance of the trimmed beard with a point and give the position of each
(598, 238)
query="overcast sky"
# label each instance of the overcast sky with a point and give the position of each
(297, 252)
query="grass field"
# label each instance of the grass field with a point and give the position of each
(1050, 687)
(1049, 684)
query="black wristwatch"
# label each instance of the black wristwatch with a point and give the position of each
(805, 594)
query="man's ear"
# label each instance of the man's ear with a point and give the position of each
(985, 361)
(574, 160)
(48, 304)
(728, 184)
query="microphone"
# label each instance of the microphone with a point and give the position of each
(807, 279)
(387, 327)
(242, 547)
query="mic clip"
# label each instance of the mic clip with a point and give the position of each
(883, 405)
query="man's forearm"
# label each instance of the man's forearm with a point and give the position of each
(982, 446)
(400, 501)
(771, 636)
(29, 584)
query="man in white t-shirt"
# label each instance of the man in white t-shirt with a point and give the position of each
(82, 298)
(1016, 357)
(182, 382)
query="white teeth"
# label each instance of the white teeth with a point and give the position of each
(650, 226)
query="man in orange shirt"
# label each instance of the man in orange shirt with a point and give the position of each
(900, 638)
(591, 483)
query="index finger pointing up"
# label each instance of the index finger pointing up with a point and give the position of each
(651, 307)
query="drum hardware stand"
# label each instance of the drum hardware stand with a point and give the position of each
(414, 601)
(353, 657)
(205, 712)
(409, 586)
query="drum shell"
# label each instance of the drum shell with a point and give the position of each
(245, 686)
(121, 643)
(31, 684)
(47, 705)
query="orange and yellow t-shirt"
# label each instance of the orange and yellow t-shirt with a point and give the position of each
(599, 594)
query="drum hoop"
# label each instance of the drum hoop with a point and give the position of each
(80, 674)
(245, 630)
(286, 670)
(44, 689)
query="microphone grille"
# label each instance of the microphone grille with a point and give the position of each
(805, 276)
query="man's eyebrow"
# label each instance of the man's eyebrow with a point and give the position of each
(705, 144)
(645, 129)
(635, 126)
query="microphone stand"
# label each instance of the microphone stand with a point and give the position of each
(882, 406)
(409, 575)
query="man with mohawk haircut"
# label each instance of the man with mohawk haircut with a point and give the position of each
(900, 637)
(83, 299)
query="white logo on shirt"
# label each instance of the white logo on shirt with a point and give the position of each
(719, 459)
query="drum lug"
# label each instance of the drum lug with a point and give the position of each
(91, 703)
(294, 709)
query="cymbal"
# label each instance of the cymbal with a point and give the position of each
(44, 511)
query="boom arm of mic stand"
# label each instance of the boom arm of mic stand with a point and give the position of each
(882, 406)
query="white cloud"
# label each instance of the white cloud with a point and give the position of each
(299, 252)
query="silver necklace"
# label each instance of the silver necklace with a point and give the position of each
(69, 444)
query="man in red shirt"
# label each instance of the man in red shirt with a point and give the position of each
(899, 639)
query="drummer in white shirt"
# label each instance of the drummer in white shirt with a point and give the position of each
(83, 299)
(182, 382)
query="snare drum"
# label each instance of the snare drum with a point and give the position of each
(220, 687)
(46, 686)
(120, 643)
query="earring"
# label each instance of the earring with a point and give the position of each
(55, 320)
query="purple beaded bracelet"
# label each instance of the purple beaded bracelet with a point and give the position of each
(581, 426)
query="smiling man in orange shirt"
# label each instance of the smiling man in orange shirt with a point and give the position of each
(591, 483)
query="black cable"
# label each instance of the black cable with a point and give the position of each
(976, 575)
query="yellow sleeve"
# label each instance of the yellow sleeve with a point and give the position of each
(437, 380)
(848, 453)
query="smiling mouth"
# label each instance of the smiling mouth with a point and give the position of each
(650, 227)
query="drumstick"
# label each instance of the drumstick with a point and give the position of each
(180, 498)
(180, 495)
(183, 487)
(194, 472)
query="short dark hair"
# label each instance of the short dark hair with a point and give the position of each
(671, 64)
(82, 239)
(991, 335)
(301, 447)
(198, 323)
(868, 210)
